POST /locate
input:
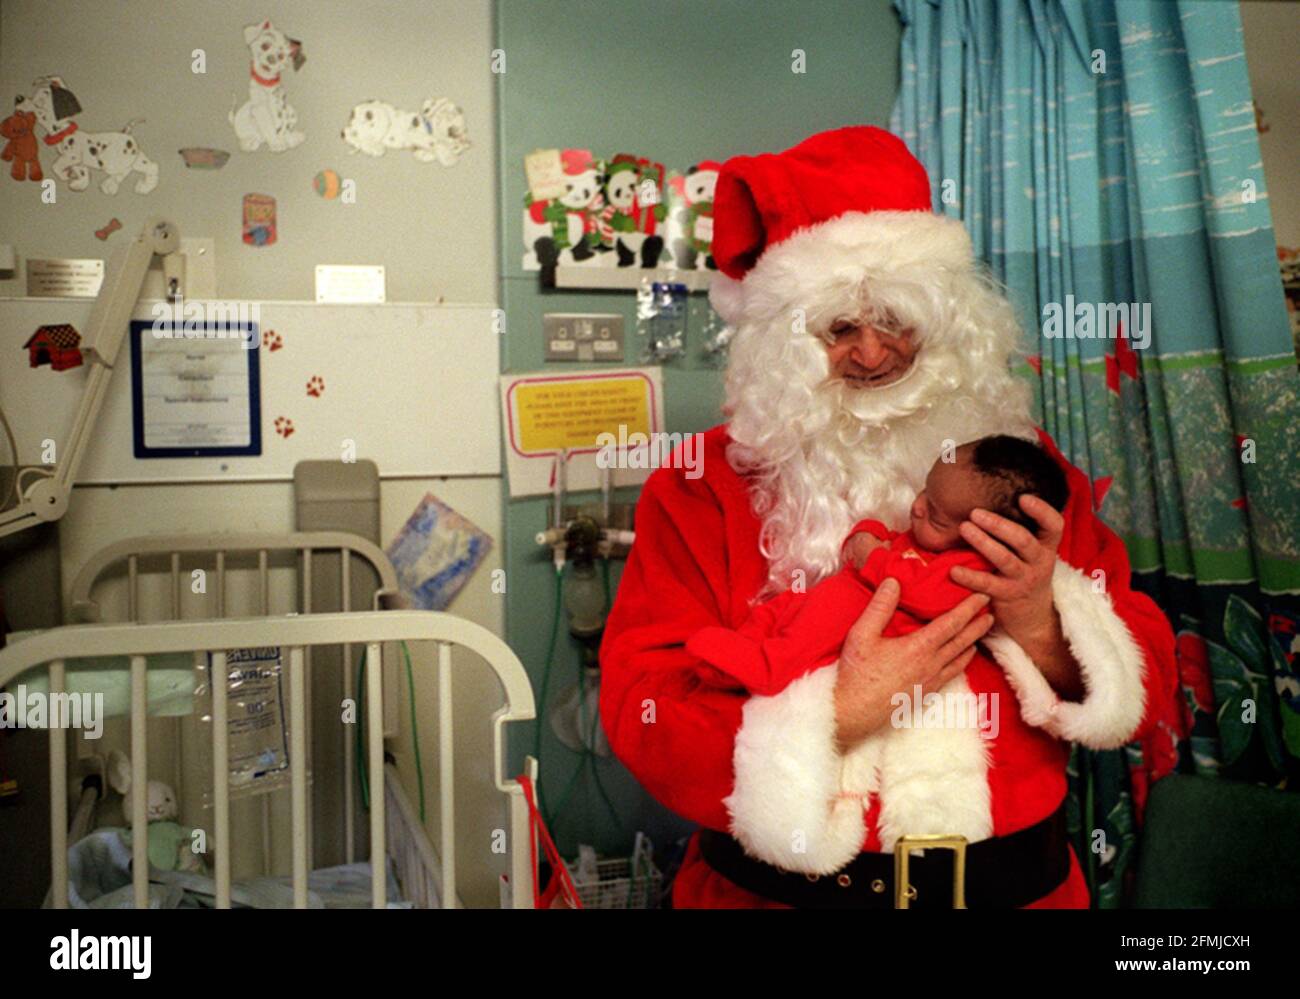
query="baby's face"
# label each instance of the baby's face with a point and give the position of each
(952, 490)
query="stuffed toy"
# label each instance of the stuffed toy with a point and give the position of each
(20, 129)
(170, 843)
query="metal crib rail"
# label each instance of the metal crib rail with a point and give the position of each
(297, 633)
(129, 552)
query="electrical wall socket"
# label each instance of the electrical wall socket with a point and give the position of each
(575, 336)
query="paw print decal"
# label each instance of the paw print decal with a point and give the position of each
(283, 426)
(271, 340)
(315, 386)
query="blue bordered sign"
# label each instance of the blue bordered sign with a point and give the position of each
(195, 389)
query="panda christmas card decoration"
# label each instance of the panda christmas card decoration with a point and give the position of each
(560, 223)
(693, 241)
(624, 212)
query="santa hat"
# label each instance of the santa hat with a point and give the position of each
(809, 221)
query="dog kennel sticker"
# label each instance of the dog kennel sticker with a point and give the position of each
(267, 119)
(80, 154)
(258, 735)
(434, 133)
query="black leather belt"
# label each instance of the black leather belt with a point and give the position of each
(1002, 872)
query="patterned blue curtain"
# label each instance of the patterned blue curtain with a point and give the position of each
(1104, 153)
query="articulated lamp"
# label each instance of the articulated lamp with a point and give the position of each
(45, 498)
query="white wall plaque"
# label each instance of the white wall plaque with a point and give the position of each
(346, 283)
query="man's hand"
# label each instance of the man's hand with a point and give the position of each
(873, 668)
(1021, 589)
(861, 545)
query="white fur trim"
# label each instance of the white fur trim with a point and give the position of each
(824, 261)
(1112, 664)
(936, 780)
(785, 807)
(802, 806)
(727, 296)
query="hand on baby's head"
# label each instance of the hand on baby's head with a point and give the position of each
(992, 474)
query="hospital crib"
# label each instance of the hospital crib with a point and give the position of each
(426, 876)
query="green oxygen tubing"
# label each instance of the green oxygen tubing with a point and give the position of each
(361, 722)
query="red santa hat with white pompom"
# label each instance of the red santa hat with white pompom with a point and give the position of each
(814, 220)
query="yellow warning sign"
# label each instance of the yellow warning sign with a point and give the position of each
(572, 413)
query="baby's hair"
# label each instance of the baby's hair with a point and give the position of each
(1018, 467)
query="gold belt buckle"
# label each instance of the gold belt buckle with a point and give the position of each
(904, 892)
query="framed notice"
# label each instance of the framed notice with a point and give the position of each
(195, 390)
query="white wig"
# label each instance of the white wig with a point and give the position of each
(821, 454)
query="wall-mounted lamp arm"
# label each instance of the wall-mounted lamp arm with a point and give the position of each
(46, 497)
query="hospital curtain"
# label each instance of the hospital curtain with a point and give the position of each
(1105, 153)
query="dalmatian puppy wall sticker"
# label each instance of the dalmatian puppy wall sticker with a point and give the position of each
(435, 132)
(116, 154)
(266, 118)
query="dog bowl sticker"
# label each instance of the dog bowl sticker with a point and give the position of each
(204, 157)
(259, 219)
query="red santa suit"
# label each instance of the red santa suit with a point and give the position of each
(805, 229)
(796, 632)
(760, 766)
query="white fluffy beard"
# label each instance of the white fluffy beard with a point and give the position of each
(821, 454)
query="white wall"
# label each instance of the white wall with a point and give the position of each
(1271, 31)
(429, 225)
(432, 227)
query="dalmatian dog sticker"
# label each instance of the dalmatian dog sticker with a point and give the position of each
(116, 154)
(266, 118)
(435, 132)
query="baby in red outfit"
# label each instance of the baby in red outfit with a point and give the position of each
(794, 633)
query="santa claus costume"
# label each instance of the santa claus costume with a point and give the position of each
(840, 227)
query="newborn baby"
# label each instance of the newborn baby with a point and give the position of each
(793, 633)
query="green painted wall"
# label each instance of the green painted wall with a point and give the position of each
(679, 81)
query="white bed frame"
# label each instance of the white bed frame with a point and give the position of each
(421, 871)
